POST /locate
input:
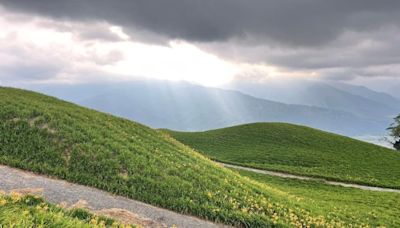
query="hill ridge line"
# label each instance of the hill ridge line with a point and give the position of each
(300, 177)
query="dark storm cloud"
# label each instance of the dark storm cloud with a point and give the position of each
(339, 39)
(289, 22)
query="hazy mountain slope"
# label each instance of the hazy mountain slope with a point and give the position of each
(300, 150)
(57, 138)
(358, 101)
(183, 106)
(395, 90)
(380, 97)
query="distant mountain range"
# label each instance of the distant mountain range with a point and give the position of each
(184, 106)
(362, 91)
(356, 100)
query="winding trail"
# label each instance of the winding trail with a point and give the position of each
(61, 192)
(292, 176)
(121, 208)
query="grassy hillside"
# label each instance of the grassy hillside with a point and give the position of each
(57, 138)
(30, 211)
(299, 150)
(350, 204)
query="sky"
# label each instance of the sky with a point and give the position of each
(210, 42)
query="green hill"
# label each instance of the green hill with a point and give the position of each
(299, 150)
(57, 138)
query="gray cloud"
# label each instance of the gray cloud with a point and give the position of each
(291, 22)
(94, 31)
(387, 72)
(351, 48)
(340, 39)
(29, 72)
(108, 58)
(17, 63)
(23, 61)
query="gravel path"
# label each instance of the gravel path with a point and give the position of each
(58, 191)
(286, 175)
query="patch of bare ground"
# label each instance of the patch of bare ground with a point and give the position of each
(32, 122)
(121, 215)
(28, 191)
(126, 217)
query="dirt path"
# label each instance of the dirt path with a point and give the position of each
(123, 209)
(286, 175)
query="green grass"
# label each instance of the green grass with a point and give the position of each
(57, 138)
(349, 204)
(298, 150)
(31, 211)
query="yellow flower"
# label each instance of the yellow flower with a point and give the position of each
(15, 196)
(93, 221)
(102, 224)
(25, 213)
(2, 202)
(209, 194)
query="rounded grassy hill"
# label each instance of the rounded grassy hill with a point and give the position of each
(299, 150)
(60, 139)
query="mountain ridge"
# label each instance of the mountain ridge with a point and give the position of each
(183, 106)
(357, 100)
